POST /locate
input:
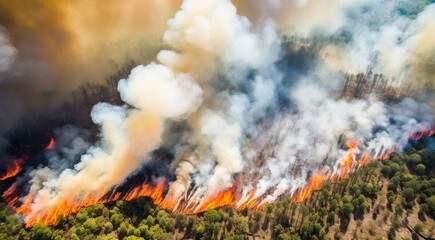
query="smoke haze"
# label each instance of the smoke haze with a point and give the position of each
(49, 48)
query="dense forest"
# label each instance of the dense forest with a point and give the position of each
(391, 199)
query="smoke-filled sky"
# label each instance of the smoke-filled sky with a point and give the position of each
(47, 48)
(216, 87)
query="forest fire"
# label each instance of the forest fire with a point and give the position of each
(348, 159)
(193, 205)
(66, 208)
(249, 201)
(315, 183)
(224, 198)
(227, 113)
(365, 159)
(50, 145)
(422, 134)
(13, 169)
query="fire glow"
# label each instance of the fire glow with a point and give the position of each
(13, 169)
(50, 145)
(193, 205)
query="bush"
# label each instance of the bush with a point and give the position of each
(334, 204)
(414, 158)
(133, 238)
(331, 217)
(117, 219)
(122, 229)
(212, 216)
(431, 203)
(391, 199)
(347, 199)
(394, 226)
(41, 232)
(269, 208)
(408, 194)
(424, 208)
(108, 227)
(418, 227)
(385, 170)
(420, 169)
(394, 168)
(347, 209)
(91, 224)
(74, 237)
(150, 221)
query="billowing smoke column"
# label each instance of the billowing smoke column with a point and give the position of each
(242, 120)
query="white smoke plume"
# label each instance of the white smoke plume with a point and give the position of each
(219, 123)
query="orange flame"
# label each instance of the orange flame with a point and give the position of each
(249, 201)
(68, 207)
(65, 207)
(169, 202)
(365, 159)
(192, 205)
(422, 134)
(315, 183)
(50, 146)
(8, 195)
(387, 154)
(223, 198)
(352, 144)
(13, 169)
(346, 166)
(347, 160)
(260, 205)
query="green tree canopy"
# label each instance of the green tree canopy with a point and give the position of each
(347, 209)
(212, 216)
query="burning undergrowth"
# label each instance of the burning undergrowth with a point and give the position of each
(224, 117)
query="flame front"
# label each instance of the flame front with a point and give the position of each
(65, 208)
(422, 134)
(13, 169)
(315, 183)
(348, 159)
(157, 194)
(347, 163)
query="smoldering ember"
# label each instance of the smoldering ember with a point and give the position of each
(217, 119)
